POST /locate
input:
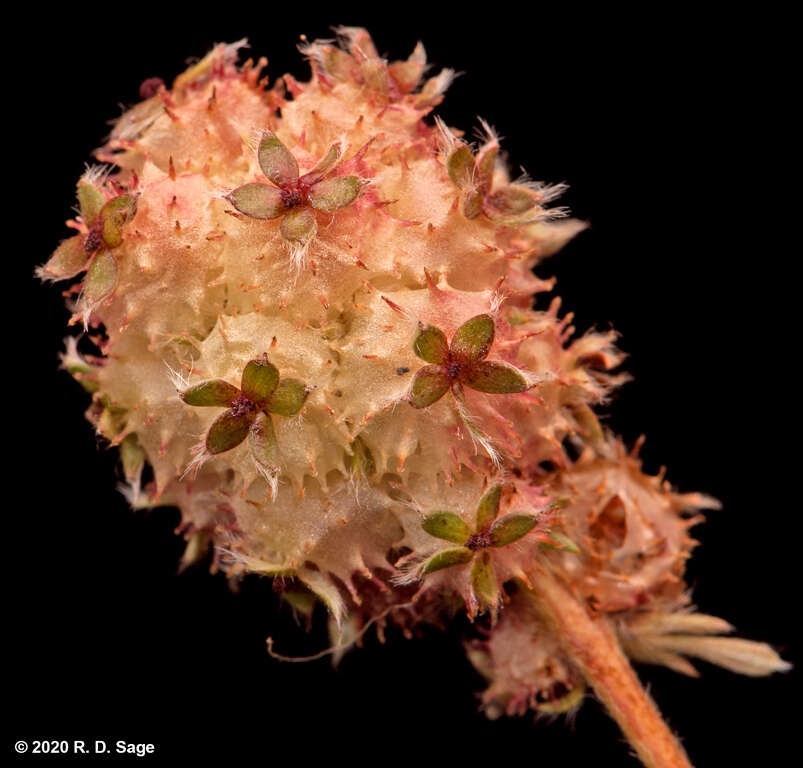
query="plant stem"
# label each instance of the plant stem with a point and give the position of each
(592, 645)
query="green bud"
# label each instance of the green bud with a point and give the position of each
(472, 340)
(510, 528)
(212, 393)
(488, 507)
(429, 384)
(288, 397)
(447, 526)
(496, 378)
(431, 345)
(228, 431)
(276, 161)
(338, 192)
(259, 201)
(446, 558)
(260, 379)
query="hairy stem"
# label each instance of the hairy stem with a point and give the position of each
(593, 647)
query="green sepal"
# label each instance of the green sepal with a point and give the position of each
(90, 201)
(362, 460)
(287, 398)
(430, 344)
(565, 703)
(473, 340)
(488, 508)
(338, 192)
(486, 163)
(67, 260)
(560, 542)
(472, 205)
(132, 455)
(263, 444)
(258, 201)
(429, 385)
(446, 558)
(113, 217)
(510, 528)
(212, 393)
(495, 378)
(512, 200)
(260, 379)
(324, 165)
(101, 277)
(447, 526)
(276, 161)
(299, 226)
(460, 167)
(228, 430)
(483, 579)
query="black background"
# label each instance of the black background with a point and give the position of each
(668, 127)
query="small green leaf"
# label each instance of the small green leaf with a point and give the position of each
(448, 526)
(101, 277)
(276, 161)
(212, 393)
(259, 201)
(483, 579)
(132, 455)
(67, 260)
(259, 380)
(299, 226)
(496, 378)
(488, 508)
(446, 558)
(472, 341)
(429, 384)
(338, 192)
(228, 430)
(323, 165)
(460, 167)
(472, 205)
(510, 528)
(288, 397)
(263, 444)
(113, 217)
(431, 345)
(560, 542)
(511, 200)
(90, 201)
(362, 461)
(486, 163)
